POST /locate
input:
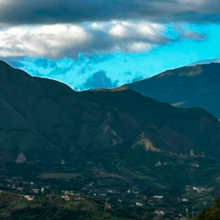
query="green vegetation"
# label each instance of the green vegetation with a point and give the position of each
(183, 182)
(16, 207)
(212, 213)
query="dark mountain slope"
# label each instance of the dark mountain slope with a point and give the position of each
(46, 120)
(193, 86)
(168, 128)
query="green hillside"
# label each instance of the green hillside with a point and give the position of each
(212, 213)
(16, 207)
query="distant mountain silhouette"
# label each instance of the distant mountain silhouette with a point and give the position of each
(48, 121)
(192, 86)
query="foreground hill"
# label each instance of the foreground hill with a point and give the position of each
(192, 86)
(212, 213)
(46, 120)
(17, 207)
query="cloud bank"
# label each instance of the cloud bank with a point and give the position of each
(75, 11)
(57, 28)
(68, 40)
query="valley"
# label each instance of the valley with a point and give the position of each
(160, 185)
(126, 155)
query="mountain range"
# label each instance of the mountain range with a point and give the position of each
(47, 120)
(191, 86)
(139, 154)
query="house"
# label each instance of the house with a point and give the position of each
(29, 198)
(158, 197)
(66, 198)
(139, 204)
(20, 189)
(159, 213)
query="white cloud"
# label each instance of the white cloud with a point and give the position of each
(68, 40)
(134, 29)
(118, 30)
(46, 40)
(57, 40)
(140, 47)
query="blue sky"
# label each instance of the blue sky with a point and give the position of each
(108, 50)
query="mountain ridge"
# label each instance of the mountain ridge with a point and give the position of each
(115, 145)
(191, 86)
(45, 117)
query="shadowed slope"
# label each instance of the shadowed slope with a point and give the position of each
(46, 120)
(193, 86)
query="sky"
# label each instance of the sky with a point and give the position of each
(107, 43)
